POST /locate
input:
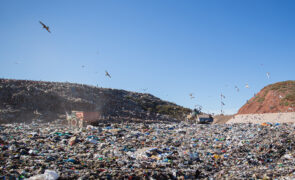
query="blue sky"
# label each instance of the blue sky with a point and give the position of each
(171, 47)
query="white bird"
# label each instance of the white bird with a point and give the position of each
(247, 86)
(268, 75)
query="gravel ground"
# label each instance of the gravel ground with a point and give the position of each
(263, 118)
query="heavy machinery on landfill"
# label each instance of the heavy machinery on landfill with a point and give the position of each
(197, 117)
(205, 119)
(81, 119)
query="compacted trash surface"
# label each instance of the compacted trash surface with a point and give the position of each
(147, 151)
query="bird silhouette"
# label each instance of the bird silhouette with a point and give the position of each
(108, 75)
(44, 26)
(191, 95)
(222, 96)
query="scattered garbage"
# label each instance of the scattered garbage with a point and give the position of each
(48, 175)
(154, 151)
(39, 101)
(72, 141)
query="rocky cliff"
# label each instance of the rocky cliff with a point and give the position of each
(274, 98)
(22, 101)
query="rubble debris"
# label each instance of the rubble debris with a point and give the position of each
(19, 99)
(82, 119)
(73, 140)
(48, 175)
(152, 151)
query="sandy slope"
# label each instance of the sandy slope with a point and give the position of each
(261, 118)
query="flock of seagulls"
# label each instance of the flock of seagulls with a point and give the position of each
(236, 88)
(247, 85)
(107, 74)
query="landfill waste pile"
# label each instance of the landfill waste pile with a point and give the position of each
(20, 99)
(147, 151)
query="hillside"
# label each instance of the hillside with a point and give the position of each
(274, 98)
(19, 99)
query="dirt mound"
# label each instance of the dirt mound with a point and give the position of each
(22, 101)
(274, 98)
(222, 119)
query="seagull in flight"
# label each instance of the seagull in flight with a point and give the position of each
(268, 75)
(222, 96)
(108, 75)
(44, 26)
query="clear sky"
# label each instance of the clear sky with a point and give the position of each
(171, 47)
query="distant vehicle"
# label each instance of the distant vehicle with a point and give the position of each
(81, 119)
(205, 119)
(199, 118)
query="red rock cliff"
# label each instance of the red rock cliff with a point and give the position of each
(274, 98)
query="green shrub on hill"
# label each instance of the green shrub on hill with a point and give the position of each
(286, 87)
